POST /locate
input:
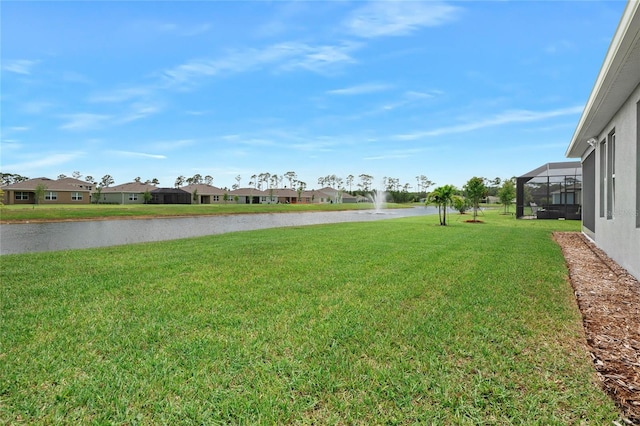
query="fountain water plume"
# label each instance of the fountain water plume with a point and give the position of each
(378, 199)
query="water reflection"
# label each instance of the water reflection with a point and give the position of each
(38, 237)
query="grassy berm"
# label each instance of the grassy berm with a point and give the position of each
(392, 322)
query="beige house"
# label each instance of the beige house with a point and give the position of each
(331, 195)
(249, 196)
(206, 194)
(126, 193)
(61, 191)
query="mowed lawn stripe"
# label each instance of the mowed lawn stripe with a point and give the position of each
(396, 321)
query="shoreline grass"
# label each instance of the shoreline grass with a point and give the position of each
(22, 213)
(390, 322)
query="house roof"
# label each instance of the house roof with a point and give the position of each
(50, 184)
(334, 192)
(204, 189)
(248, 191)
(169, 191)
(283, 192)
(566, 168)
(77, 182)
(131, 187)
(618, 77)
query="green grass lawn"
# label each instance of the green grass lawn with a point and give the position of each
(100, 211)
(390, 322)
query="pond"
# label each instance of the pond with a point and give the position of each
(52, 236)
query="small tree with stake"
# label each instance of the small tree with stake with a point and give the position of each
(506, 194)
(39, 193)
(475, 190)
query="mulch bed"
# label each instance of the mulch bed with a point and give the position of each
(609, 299)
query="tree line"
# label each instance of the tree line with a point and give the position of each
(476, 189)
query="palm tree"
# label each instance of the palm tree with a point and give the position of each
(442, 197)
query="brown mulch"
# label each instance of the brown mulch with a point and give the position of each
(609, 299)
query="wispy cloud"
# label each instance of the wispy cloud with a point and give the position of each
(120, 95)
(172, 145)
(138, 111)
(395, 155)
(195, 30)
(398, 18)
(510, 117)
(19, 66)
(84, 121)
(282, 57)
(35, 107)
(360, 89)
(147, 27)
(43, 161)
(558, 47)
(138, 154)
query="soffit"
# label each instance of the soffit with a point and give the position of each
(618, 78)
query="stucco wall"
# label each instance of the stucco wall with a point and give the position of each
(120, 198)
(619, 237)
(63, 197)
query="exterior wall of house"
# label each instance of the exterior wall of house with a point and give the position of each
(618, 233)
(122, 198)
(10, 197)
(64, 197)
(51, 197)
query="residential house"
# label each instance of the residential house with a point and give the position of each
(126, 193)
(607, 141)
(61, 191)
(283, 196)
(332, 195)
(170, 196)
(250, 196)
(206, 194)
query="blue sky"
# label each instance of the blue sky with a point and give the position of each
(449, 90)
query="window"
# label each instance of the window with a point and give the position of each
(22, 195)
(216, 198)
(76, 196)
(603, 175)
(50, 196)
(638, 165)
(611, 174)
(133, 197)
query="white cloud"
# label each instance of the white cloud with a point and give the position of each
(282, 56)
(559, 47)
(171, 145)
(138, 154)
(120, 95)
(152, 27)
(44, 160)
(398, 18)
(360, 89)
(84, 121)
(35, 107)
(138, 111)
(19, 66)
(320, 59)
(195, 30)
(395, 155)
(519, 116)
